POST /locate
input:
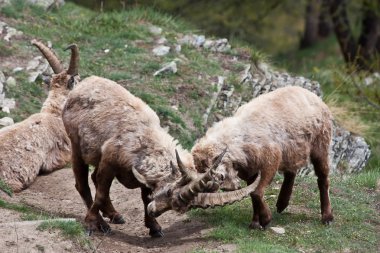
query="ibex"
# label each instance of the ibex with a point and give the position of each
(278, 131)
(39, 144)
(121, 137)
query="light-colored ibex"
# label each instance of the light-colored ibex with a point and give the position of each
(278, 131)
(39, 144)
(121, 136)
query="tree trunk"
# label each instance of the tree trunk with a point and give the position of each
(324, 22)
(367, 44)
(310, 35)
(342, 30)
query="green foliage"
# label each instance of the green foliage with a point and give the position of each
(355, 226)
(69, 229)
(28, 213)
(5, 188)
(18, 8)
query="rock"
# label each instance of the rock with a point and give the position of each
(8, 103)
(47, 4)
(106, 51)
(155, 30)
(34, 63)
(11, 32)
(178, 48)
(33, 76)
(1, 87)
(10, 81)
(17, 69)
(220, 45)
(162, 40)
(2, 77)
(168, 68)
(6, 121)
(278, 230)
(161, 50)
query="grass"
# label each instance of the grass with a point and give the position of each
(5, 188)
(69, 229)
(355, 228)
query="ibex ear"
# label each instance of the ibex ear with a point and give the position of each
(71, 82)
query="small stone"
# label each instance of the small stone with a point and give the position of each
(1, 87)
(2, 77)
(278, 230)
(9, 103)
(33, 64)
(6, 121)
(17, 69)
(168, 68)
(33, 76)
(106, 51)
(155, 30)
(178, 48)
(161, 50)
(10, 81)
(162, 40)
(11, 32)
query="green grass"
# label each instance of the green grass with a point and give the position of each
(69, 229)
(355, 227)
(27, 212)
(5, 188)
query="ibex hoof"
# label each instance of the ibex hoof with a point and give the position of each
(156, 234)
(104, 227)
(255, 225)
(117, 219)
(327, 219)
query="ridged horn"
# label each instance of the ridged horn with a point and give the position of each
(74, 60)
(54, 63)
(191, 190)
(206, 200)
(187, 175)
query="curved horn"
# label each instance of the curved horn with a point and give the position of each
(74, 60)
(54, 63)
(187, 175)
(205, 200)
(139, 177)
(190, 191)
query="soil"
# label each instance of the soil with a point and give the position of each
(56, 194)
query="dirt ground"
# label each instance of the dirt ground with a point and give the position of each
(56, 194)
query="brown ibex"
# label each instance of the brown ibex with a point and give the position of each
(39, 144)
(278, 131)
(121, 136)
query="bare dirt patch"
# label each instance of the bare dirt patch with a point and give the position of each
(56, 194)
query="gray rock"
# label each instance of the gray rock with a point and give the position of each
(34, 63)
(178, 48)
(220, 45)
(10, 81)
(2, 77)
(162, 40)
(167, 68)
(47, 4)
(11, 32)
(1, 87)
(17, 69)
(6, 121)
(155, 30)
(8, 103)
(161, 50)
(33, 76)
(278, 230)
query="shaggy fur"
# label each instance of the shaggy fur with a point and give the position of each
(39, 144)
(121, 136)
(278, 131)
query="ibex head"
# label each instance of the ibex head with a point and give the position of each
(62, 79)
(180, 194)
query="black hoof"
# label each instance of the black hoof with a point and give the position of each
(118, 219)
(255, 225)
(156, 234)
(89, 232)
(104, 228)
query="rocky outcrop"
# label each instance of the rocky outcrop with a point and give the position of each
(46, 4)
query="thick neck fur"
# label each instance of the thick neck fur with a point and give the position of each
(55, 101)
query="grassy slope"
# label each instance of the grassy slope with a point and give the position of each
(353, 199)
